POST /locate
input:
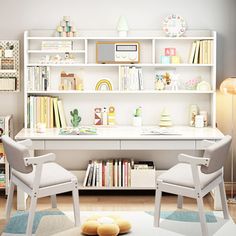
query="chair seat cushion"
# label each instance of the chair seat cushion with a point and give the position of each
(181, 174)
(52, 174)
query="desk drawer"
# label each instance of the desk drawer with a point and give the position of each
(157, 145)
(82, 145)
(201, 145)
(38, 144)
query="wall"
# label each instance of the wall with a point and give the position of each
(17, 16)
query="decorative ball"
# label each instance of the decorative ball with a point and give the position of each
(108, 230)
(90, 227)
(111, 225)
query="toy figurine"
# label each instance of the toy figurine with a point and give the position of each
(160, 84)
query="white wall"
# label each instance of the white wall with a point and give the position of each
(17, 16)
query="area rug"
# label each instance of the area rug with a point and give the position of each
(174, 223)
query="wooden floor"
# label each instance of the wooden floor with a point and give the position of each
(116, 203)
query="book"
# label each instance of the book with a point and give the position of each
(196, 56)
(90, 176)
(192, 53)
(56, 114)
(61, 114)
(209, 52)
(87, 174)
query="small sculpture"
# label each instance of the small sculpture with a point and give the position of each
(122, 27)
(75, 118)
(160, 83)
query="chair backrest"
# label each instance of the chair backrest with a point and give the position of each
(15, 154)
(217, 153)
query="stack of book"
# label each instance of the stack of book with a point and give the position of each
(46, 109)
(38, 78)
(201, 52)
(108, 173)
(2, 179)
(131, 78)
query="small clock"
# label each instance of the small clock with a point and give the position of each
(174, 25)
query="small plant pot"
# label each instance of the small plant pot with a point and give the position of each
(137, 121)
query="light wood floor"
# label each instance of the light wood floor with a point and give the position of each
(116, 203)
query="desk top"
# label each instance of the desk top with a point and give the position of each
(128, 133)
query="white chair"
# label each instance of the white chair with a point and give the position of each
(39, 177)
(194, 177)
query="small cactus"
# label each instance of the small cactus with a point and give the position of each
(75, 118)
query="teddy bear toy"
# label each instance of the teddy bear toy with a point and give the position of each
(105, 226)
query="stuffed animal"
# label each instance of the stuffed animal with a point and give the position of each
(105, 226)
(160, 83)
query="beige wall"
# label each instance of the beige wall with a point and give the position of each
(17, 16)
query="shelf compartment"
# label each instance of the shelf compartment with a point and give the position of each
(121, 92)
(56, 51)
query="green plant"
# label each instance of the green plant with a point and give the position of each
(75, 118)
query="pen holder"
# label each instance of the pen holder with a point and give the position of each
(137, 121)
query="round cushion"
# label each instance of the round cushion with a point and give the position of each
(108, 230)
(124, 225)
(90, 227)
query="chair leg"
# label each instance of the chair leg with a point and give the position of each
(223, 200)
(75, 195)
(54, 201)
(157, 208)
(9, 200)
(202, 216)
(180, 201)
(33, 203)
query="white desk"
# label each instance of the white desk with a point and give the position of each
(121, 138)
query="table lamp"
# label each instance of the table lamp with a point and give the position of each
(228, 86)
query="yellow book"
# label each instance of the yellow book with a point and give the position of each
(38, 120)
(201, 52)
(209, 47)
(205, 52)
(61, 114)
(48, 111)
(42, 116)
(56, 115)
(51, 113)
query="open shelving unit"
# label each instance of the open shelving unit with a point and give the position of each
(152, 45)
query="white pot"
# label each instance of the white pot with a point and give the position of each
(137, 121)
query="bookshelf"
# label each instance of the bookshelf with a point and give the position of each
(152, 47)
(6, 127)
(152, 101)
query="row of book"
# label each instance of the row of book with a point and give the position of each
(61, 45)
(38, 78)
(112, 173)
(131, 78)
(46, 109)
(201, 52)
(2, 179)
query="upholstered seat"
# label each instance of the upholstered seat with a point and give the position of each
(52, 174)
(181, 174)
(39, 177)
(195, 177)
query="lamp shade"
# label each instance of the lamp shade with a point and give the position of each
(228, 86)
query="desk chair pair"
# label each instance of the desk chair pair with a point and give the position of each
(40, 176)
